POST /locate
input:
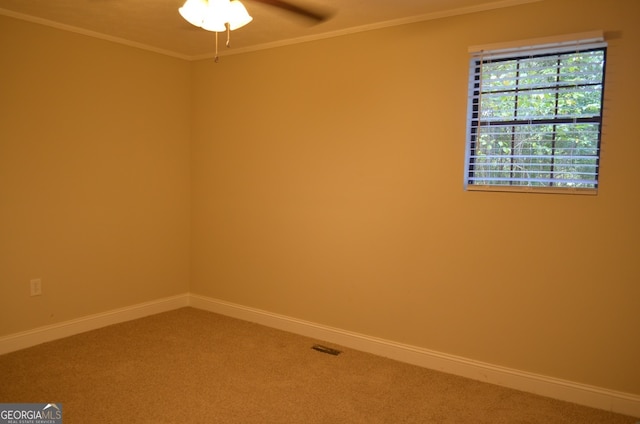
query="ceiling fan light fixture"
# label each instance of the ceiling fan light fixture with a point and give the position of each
(214, 15)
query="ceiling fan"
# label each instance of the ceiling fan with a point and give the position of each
(223, 15)
(314, 15)
(229, 15)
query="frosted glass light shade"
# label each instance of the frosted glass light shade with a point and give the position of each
(238, 15)
(213, 15)
(193, 11)
(216, 16)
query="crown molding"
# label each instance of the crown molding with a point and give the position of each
(89, 33)
(280, 43)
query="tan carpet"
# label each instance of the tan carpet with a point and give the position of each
(192, 366)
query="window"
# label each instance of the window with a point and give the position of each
(535, 118)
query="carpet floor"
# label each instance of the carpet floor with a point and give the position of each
(193, 366)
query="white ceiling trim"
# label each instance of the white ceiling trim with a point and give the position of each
(94, 34)
(379, 25)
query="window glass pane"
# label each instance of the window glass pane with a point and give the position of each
(536, 120)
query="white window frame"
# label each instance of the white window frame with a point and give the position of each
(521, 50)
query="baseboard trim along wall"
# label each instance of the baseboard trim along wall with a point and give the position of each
(52, 332)
(595, 397)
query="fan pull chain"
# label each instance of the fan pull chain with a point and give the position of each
(228, 36)
(216, 57)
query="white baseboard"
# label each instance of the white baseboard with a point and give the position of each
(48, 333)
(595, 397)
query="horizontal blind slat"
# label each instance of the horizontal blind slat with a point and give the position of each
(533, 180)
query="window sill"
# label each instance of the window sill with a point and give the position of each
(538, 190)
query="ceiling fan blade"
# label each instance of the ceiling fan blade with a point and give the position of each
(301, 11)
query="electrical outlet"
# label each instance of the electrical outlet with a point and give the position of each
(36, 287)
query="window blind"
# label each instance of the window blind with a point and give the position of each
(535, 116)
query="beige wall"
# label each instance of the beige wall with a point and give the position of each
(327, 186)
(94, 175)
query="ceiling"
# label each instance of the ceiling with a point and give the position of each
(156, 25)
